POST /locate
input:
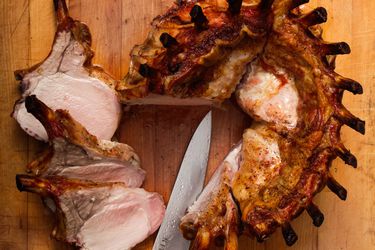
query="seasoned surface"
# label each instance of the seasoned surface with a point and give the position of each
(161, 137)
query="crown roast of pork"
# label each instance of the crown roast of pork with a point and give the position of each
(267, 53)
(272, 57)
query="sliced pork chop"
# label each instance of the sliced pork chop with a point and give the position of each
(75, 153)
(66, 79)
(214, 216)
(98, 215)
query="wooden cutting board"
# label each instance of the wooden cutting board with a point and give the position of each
(160, 134)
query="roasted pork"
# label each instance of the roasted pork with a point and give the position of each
(214, 216)
(66, 79)
(98, 215)
(195, 53)
(75, 153)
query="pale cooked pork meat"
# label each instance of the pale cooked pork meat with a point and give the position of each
(98, 215)
(214, 216)
(75, 153)
(66, 79)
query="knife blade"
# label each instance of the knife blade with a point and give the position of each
(187, 187)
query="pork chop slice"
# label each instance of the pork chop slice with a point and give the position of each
(75, 153)
(66, 79)
(98, 215)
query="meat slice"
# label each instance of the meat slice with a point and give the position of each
(66, 79)
(98, 215)
(75, 153)
(214, 217)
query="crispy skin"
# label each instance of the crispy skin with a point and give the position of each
(203, 62)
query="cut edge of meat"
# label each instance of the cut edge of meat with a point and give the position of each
(81, 204)
(78, 154)
(69, 64)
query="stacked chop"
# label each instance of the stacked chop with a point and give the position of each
(92, 184)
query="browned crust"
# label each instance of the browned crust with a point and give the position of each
(313, 145)
(60, 124)
(219, 221)
(183, 70)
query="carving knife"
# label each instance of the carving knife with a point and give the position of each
(187, 187)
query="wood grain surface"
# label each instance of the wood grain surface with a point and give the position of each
(160, 134)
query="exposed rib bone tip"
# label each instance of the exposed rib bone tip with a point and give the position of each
(317, 16)
(31, 103)
(289, 234)
(344, 48)
(350, 120)
(358, 125)
(56, 4)
(167, 40)
(351, 85)
(361, 127)
(18, 75)
(19, 184)
(321, 14)
(198, 18)
(350, 159)
(340, 48)
(234, 6)
(336, 188)
(316, 215)
(345, 155)
(145, 70)
(39, 110)
(61, 9)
